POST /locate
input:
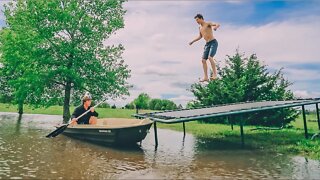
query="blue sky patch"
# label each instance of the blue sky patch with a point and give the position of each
(168, 96)
(307, 66)
(259, 12)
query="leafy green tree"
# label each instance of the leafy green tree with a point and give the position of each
(168, 105)
(246, 79)
(104, 105)
(193, 104)
(155, 103)
(142, 101)
(158, 106)
(162, 104)
(5, 91)
(130, 106)
(18, 76)
(54, 51)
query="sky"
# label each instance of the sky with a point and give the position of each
(283, 34)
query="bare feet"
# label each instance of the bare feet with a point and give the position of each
(212, 78)
(204, 80)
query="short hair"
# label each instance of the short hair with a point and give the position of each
(199, 16)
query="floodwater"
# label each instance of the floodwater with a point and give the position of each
(26, 153)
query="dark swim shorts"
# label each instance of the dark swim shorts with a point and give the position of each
(210, 49)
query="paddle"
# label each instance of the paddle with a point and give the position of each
(60, 129)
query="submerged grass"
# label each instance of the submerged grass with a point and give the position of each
(221, 136)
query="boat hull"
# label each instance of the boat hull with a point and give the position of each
(111, 134)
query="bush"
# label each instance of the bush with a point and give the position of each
(246, 79)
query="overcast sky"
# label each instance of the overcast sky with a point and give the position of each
(163, 65)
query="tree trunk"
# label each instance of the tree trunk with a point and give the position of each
(66, 103)
(20, 107)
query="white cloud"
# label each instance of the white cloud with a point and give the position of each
(302, 74)
(306, 94)
(182, 99)
(235, 1)
(157, 33)
(283, 42)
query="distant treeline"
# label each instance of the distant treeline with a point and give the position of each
(143, 101)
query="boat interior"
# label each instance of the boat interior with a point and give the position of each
(114, 123)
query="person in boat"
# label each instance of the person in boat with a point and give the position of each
(210, 49)
(90, 117)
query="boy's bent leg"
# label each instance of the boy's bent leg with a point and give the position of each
(214, 68)
(93, 120)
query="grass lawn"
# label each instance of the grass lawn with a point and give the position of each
(57, 110)
(220, 136)
(285, 141)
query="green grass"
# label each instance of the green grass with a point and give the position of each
(57, 110)
(220, 136)
(285, 141)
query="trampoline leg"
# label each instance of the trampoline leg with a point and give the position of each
(184, 129)
(318, 117)
(305, 122)
(231, 125)
(242, 134)
(228, 119)
(155, 133)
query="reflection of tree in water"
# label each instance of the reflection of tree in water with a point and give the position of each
(36, 156)
(172, 158)
(111, 162)
(18, 124)
(28, 152)
(10, 123)
(219, 143)
(304, 168)
(223, 158)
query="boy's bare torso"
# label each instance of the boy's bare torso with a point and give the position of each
(206, 31)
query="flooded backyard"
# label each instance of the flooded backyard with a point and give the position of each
(26, 153)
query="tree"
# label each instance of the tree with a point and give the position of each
(162, 104)
(18, 79)
(5, 96)
(104, 105)
(246, 79)
(142, 101)
(168, 105)
(158, 106)
(130, 106)
(55, 51)
(154, 104)
(193, 104)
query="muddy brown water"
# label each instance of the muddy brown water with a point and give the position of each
(26, 153)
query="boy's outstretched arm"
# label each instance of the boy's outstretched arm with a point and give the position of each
(215, 26)
(196, 39)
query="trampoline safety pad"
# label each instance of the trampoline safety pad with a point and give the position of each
(183, 115)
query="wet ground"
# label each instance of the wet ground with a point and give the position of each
(26, 153)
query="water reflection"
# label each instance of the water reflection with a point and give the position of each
(26, 153)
